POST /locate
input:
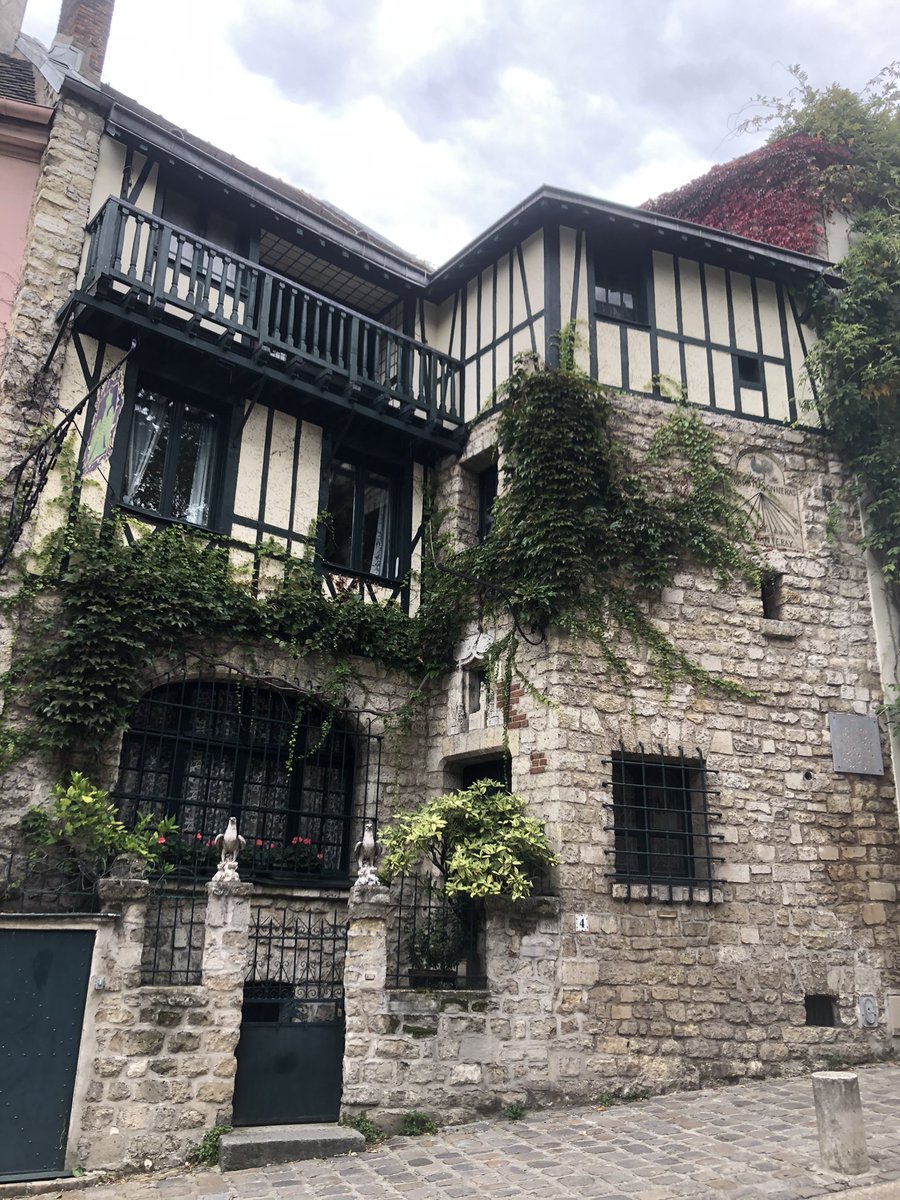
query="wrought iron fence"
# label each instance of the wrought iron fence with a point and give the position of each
(437, 939)
(41, 881)
(296, 967)
(174, 934)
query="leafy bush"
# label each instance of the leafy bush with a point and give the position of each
(83, 824)
(416, 1124)
(514, 1111)
(479, 838)
(363, 1124)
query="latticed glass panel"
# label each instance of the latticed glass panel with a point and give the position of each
(202, 752)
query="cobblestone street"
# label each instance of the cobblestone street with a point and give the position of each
(754, 1140)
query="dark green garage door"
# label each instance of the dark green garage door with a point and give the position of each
(43, 982)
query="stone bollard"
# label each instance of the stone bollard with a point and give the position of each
(842, 1135)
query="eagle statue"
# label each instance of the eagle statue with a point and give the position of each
(366, 852)
(229, 844)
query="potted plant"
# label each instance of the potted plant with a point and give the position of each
(434, 950)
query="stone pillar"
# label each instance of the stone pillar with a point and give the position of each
(225, 954)
(365, 974)
(108, 1011)
(842, 1135)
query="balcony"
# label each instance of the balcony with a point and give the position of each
(151, 272)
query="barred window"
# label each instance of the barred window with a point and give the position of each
(202, 752)
(661, 820)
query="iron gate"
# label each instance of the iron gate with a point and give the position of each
(291, 1050)
(43, 986)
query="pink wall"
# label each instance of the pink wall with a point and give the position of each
(17, 182)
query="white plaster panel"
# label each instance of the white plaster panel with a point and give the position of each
(640, 369)
(664, 291)
(769, 321)
(487, 306)
(522, 342)
(568, 249)
(309, 470)
(609, 354)
(777, 391)
(474, 402)
(742, 304)
(533, 252)
(249, 481)
(723, 377)
(503, 296)
(669, 363)
(717, 305)
(520, 313)
(691, 299)
(281, 470)
(697, 374)
(471, 299)
(752, 401)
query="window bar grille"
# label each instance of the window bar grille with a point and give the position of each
(173, 938)
(661, 824)
(436, 938)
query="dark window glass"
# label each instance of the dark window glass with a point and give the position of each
(204, 752)
(361, 507)
(488, 481)
(171, 458)
(659, 812)
(749, 370)
(620, 288)
(820, 1010)
(770, 594)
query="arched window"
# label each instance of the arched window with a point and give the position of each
(202, 752)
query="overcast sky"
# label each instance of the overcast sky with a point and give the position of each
(428, 121)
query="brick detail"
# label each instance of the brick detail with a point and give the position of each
(86, 24)
(538, 762)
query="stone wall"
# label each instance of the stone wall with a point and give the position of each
(661, 994)
(157, 1064)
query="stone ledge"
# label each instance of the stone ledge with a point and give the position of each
(265, 1145)
(663, 894)
(784, 631)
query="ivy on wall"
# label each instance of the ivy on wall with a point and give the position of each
(586, 532)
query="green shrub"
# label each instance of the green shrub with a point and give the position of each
(363, 1124)
(206, 1152)
(514, 1111)
(415, 1124)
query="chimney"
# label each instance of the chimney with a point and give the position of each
(11, 14)
(84, 25)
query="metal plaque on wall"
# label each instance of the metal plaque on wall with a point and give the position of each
(855, 744)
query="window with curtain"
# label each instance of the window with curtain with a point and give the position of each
(203, 752)
(362, 504)
(171, 458)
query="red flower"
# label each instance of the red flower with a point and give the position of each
(161, 841)
(294, 841)
(199, 837)
(320, 857)
(259, 841)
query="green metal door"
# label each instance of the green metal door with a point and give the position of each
(43, 983)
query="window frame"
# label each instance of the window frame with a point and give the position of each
(622, 272)
(637, 778)
(227, 758)
(136, 382)
(399, 492)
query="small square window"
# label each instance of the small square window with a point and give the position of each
(771, 595)
(660, 819)
(820, 1010)
(749, 370)
(171, 458)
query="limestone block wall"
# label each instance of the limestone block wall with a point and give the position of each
(157, 1064)
(49, 268)
(804, 898)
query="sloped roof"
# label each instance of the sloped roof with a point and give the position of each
(17, 79)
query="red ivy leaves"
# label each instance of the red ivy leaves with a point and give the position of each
(775, 194)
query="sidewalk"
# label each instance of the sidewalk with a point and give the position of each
(751, 1141)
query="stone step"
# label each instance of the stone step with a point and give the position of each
(264, 1145)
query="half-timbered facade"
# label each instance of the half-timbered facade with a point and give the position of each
(724, 904)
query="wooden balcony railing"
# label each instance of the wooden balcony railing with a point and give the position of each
(186, 280)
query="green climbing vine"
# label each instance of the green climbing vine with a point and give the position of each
(586, 532)
(855, 364)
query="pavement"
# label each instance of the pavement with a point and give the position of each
(752, 1140)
